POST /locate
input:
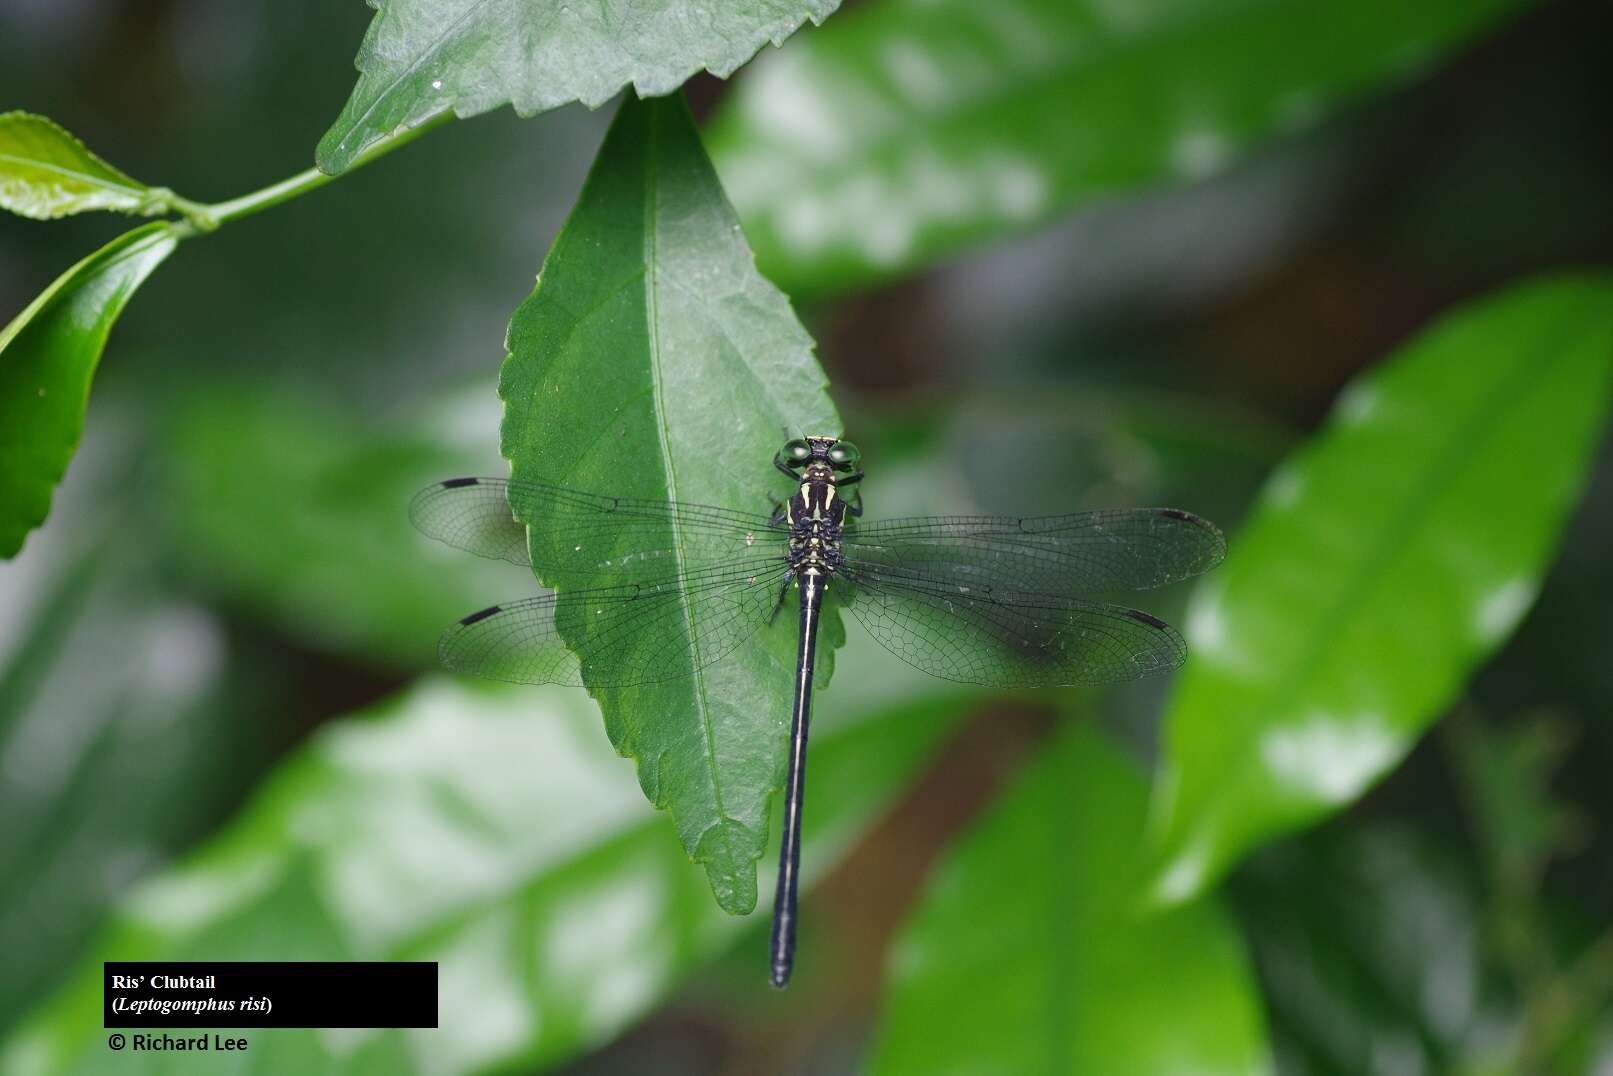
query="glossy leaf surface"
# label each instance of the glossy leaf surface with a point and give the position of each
(649, 308)
(423, 58)
(1387, 558)
(908, 129)
(1028, 952)
(46, 173)
(48, 355)
(492, 830)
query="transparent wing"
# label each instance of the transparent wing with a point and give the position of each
(588, 533)
(638, 633)
(1089, 552)
(1008, 639)
(471, 514)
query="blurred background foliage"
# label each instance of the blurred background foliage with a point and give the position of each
(220, 733)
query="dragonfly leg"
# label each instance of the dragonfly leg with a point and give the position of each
(854, 503)
(778, 461)
(784, 592)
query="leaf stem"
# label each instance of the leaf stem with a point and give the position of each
(201, 218)
(259, 200)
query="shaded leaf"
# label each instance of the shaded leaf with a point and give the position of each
(422, 58)
(1028, 952)
(909, 129)
(491, 830)
(298, 512)
(1507, 774)
(1369, 943)
(48, 355)
(692, 367)
(115, 691)
(1386, 559)
(46, 173)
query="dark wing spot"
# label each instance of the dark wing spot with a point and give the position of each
(456, 483)
(483, 615)
(1136, 614)
(1177, 513)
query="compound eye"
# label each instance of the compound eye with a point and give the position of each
(797, 451)
(844, 455)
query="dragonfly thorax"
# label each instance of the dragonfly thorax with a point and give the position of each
(816, 518)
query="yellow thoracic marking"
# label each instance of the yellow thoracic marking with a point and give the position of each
(828, 495)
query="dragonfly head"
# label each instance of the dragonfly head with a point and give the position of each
(831, 452)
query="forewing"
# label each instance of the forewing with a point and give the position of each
(587, 534)
(1066, 556)
(1009, 640)
(638, 633)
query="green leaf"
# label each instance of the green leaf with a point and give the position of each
(344, 571)
(909, 129)
(46, 173)
(48, 354)
(1389, 557)
(422, 58)
(1028, 952)
(652, 361)
(492, 830)
(115, 690)
(1507, 774)
(1369, 941)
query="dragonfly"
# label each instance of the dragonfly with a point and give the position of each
(1001, 601)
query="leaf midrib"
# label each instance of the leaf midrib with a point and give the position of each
(663, 435)
(386, 92)
(61, 170)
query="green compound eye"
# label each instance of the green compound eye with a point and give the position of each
(797, 450)
(844, 455)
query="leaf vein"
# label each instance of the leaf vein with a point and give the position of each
(663, 433)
